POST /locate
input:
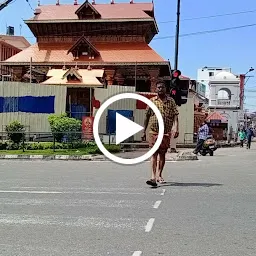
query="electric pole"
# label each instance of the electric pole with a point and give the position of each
(177, 36)
(4, 4)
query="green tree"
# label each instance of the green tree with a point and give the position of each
(15, 131)
(62, 125)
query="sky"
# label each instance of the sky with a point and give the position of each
(231, 48)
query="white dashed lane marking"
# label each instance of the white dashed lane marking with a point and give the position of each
(149, 225)
(163, 192)
(157, 203)
(137, 253)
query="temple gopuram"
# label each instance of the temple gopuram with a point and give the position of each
(78, 41)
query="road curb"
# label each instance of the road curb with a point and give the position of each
(53, 157)
(221, 145)
(182, 156)
(186, 156)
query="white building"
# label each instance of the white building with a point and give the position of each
(224, 97)
(205, 74)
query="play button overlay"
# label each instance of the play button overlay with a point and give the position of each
(126, 128)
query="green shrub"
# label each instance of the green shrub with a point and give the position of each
(63, 126)
(15, 131)
(49, 145)
(12, 146)
(113, 148)
(3, 145)
(91, 146)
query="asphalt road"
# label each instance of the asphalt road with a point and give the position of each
(60, 208)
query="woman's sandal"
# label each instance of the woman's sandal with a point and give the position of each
(152, 183)
(160, 180)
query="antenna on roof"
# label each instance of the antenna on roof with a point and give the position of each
(112, 2)
(75, 2)
(58, 2)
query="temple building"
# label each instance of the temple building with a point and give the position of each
(87, 45)
(113, 37)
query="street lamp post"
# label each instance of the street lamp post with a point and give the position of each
(177, 36)
(250, 70)
(245, 113)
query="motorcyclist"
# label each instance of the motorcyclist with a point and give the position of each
(203, 133)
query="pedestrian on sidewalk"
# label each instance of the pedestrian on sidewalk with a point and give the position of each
(169, 112)
(242, 136)
(203, 132)
(249, 135)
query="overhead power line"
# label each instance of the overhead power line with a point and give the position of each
(250, 105)
(246, 90)
(208, 31)
(210, 16)
(29, 5)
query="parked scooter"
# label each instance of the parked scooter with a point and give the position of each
(209, 146)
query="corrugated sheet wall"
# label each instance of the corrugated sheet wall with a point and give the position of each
(103, 94)
(186, 112)
(34, 122)
(186, 122)
(39, 122)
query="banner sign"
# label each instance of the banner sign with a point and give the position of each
(28, 104)
(87, 127)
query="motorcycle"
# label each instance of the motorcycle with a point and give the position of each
(208, 147)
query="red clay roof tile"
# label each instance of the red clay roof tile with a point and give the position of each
(109, 52)
(107, 11)
(17, 41)
(216, 116)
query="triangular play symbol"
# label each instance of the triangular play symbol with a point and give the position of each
(125, 128)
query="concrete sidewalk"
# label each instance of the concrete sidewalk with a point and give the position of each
(143, 145)
(182, 155)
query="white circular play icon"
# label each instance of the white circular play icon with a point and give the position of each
(125, 128)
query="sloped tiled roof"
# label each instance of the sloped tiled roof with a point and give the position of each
(109, 52)
(216, 116)
(107, 11)
(8, 45)
(86, 78)
(17, 41)
(86, 81)
(83, 40)
(82, 72)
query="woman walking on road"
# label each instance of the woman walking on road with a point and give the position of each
(242, 136)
